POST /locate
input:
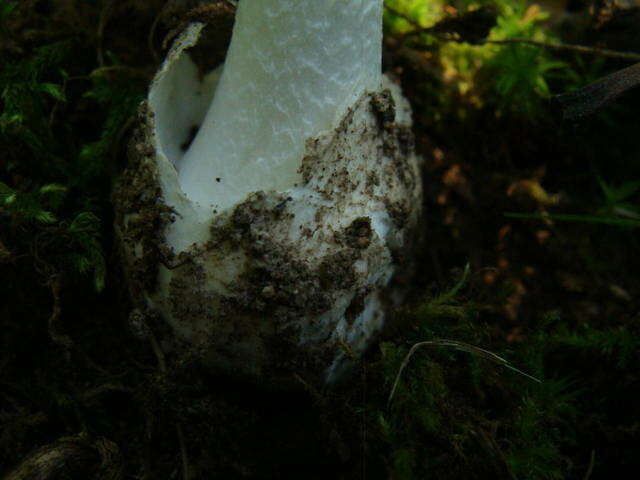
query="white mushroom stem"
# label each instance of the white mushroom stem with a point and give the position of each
(292, 70)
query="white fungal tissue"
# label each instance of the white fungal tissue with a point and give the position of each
(277, 241)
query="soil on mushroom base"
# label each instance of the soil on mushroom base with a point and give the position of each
(281, 279)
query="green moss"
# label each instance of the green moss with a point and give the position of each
(54, 178)
(463, 414)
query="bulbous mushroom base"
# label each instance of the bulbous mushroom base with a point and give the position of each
(285, 283)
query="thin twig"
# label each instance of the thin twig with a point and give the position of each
(592, 462)
(137, 72)
(150, 37)
(104, 18)
(418, 29)
(465, 347)
(489, 443)
(602, 52)
(162, 366)
(118, 140)
(451, 294)
(590, 99)
(404, 16)
(186, 472)
(63, 340)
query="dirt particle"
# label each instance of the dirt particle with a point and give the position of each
(358, 234)
(384, 108)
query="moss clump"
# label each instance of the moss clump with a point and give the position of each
(54, 175)
(456, 414)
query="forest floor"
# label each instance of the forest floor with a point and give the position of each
(527, 293)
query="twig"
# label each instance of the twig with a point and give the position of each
(592, 462)
(152, 34)
(591, 98)
(404, 16)
(137, 72)
(489, 443)
(186, 472)
(72, 454)
(104, 18)
(603, 52)
(451, 294)
(465, 347)
(64, 341)
(118, 140)
(418, 29)
(162, 366)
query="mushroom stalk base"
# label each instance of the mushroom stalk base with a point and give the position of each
(288, 282)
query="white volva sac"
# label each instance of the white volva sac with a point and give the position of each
(273, 242)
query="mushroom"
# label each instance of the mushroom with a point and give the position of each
(274, 242)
